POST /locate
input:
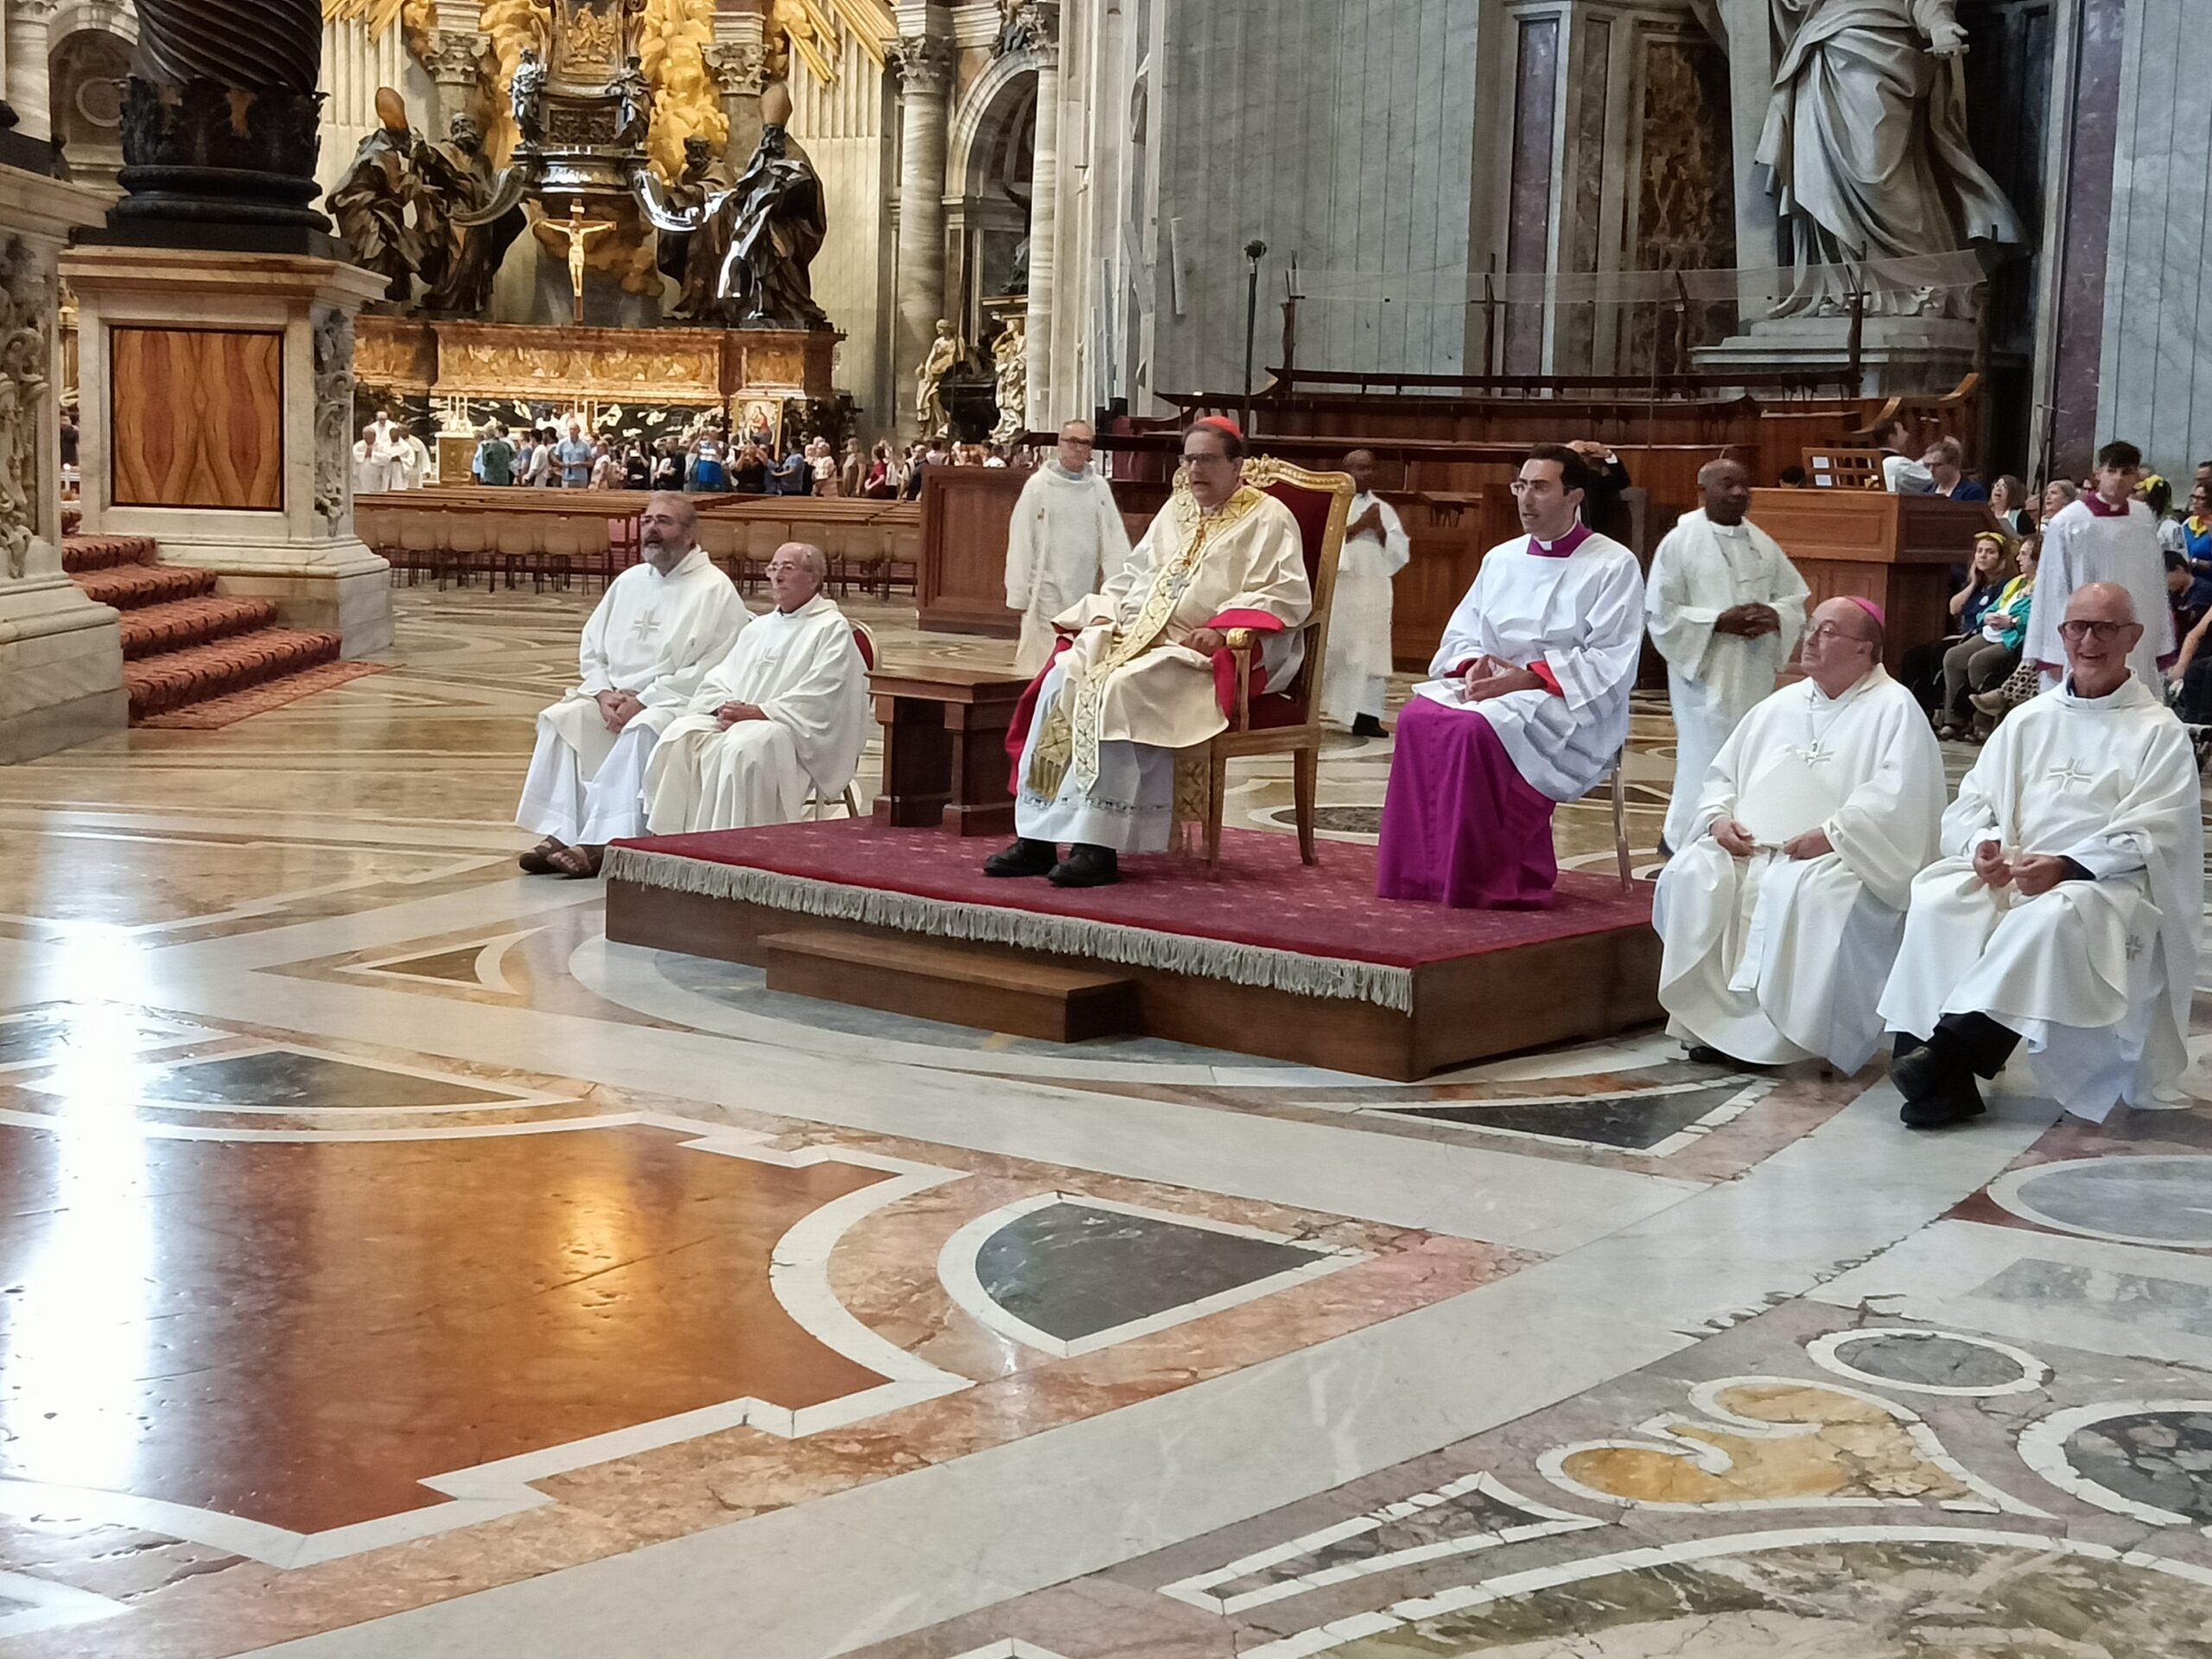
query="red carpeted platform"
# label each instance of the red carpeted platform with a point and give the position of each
(1273, 958)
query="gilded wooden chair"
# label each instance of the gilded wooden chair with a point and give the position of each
(1275, 721)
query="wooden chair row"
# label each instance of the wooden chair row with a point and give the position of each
(453, 542)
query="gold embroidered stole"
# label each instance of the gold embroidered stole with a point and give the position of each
(1069, 737)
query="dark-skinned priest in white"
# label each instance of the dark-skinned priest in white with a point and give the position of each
(1528, 707)
(1140, 669)
(1781, 912)
(2066, 911)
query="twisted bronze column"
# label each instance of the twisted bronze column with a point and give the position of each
(220, 123)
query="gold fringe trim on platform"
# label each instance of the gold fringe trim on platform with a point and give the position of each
(1334, 977)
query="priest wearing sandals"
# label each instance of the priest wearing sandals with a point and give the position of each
(1529, 706)
(2066, 911)
(1144, 668)
(659, 627)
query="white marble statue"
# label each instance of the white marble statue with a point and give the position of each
(1010, 357)
(942, 356)
(1867, 137)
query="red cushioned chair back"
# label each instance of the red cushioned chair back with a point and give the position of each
(1311, 509)
(864, 642)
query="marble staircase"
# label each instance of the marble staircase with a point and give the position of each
(183, 643)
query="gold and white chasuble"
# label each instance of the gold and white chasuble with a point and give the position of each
(1128, 677)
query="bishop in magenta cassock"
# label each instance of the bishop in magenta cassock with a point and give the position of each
(2106, 534)
(1529, 706)
(1781, 912)
(2066, 914)
(1142, 667)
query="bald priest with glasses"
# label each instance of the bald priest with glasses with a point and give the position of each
(2065, 913)
(1528, 706)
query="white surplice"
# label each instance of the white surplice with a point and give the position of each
(1582, 615)
(2081, 546)
(1772, 959)
(1097, 764)
(655, 636)
(1714, 680)
(2095, 975)
(1067, 539)
(802, 669)
(1358, 672)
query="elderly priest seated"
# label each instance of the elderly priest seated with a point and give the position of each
(660, 625)
(2067, 912)
(1148, 669)
(1780, 916)
(1529, 707)
(785, 710)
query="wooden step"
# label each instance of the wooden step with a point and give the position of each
(988, 988)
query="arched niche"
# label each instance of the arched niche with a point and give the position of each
(990, 154)
(85, 73)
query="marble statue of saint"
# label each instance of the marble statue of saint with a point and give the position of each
(777, 227)
(636, 96)
(460, 261)
(1010, 357)
(942, 356)
(1866, 138)
(526, 96)
(692, 259)
(369, 202)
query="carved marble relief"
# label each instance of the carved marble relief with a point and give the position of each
(1684, 218)
(26, 305)
(334, 415)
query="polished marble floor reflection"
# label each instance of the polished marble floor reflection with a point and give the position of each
(389, 1265)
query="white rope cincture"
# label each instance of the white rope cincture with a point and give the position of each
(1337, 978)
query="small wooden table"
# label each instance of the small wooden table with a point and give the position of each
(944, 759)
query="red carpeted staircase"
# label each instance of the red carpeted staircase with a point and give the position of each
(181, 644)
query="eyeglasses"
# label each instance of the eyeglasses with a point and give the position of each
(1827, 631)
(1522, 486)
(2104, 632)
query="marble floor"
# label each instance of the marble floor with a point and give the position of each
(392, 1267)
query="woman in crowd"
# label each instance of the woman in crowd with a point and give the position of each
(2195, 528)
(2008, 500)
(637, 467)
(1975, 667)
(821, 467)
(708, 451)
(1986, 579)
(668, 468)
(2057, 495)
(606, 468)
(877, 485)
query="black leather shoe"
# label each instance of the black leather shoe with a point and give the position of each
(1957, 1101)
(1705, 1054)
(1368, 726)
(1926, 1072)
(1025, 857)
(1087, 867)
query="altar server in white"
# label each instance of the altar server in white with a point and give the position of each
(1375, 549)
(1529, 707)
(2066, 911)
(2106, 534)
(1725, 607)
(1067, 539)
(1780, 914)
(1146, 670)
(788, 709)
(660, 625)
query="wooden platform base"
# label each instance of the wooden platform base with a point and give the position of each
(1465, 1008)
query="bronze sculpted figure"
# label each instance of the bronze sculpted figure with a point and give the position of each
(777, 230)
(371, 202)
(635, 96)
(526, 96)
(459, 260)
(693, 259)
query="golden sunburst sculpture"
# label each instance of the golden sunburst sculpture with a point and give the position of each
(813, 31)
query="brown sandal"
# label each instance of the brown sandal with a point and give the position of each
(538, 861)
(576, 863)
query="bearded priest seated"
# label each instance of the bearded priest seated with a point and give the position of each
(1143, 668)
(2066, 910)
(784, 712)
(1780, 914)
(1528, 705)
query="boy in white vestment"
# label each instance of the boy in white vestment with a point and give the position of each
(1375, 549)
(2066, 911)
(1782, 911)
(1725, 607)
(1067, 539)
(1140, 676)
(2106, 534)
(660, 625)
(787, 709)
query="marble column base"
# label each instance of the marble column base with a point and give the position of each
(1897, 355)
(61, 669)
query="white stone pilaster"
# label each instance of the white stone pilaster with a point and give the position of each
(1043, 22)
(926, 60)
(28, 40)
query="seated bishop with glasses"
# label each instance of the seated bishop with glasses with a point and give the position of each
(2065, 911)
(1527, 707)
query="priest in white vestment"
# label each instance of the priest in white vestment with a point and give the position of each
(660, 625)
(2066, 911)
(379, 457)
(2106, 534)
(1147, 670)
(1375, 549)
(1529, 707)
(1780, 913)
(1067, 539)
(1725, 607)
(786, 711)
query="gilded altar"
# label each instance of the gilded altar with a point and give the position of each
(560, 365)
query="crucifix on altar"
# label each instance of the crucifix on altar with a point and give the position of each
(578, 230)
